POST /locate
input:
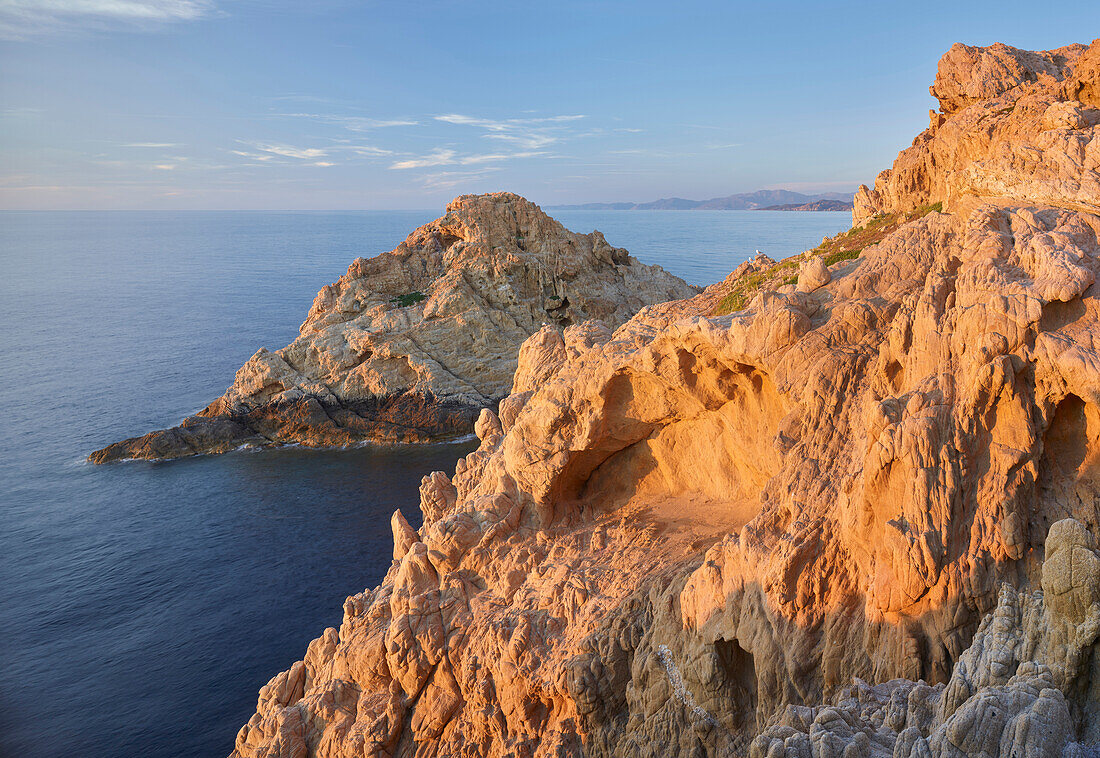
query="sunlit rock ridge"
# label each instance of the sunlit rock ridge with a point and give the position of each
(855, 517)
(410, 345)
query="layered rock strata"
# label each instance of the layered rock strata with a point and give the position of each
(410, 345)
(855, 517)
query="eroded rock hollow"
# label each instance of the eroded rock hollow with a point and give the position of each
(856, 516)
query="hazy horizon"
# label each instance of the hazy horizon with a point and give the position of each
(223, 105)
(432, 207)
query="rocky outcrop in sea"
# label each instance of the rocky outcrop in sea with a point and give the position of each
(410, 345)
(856, 514)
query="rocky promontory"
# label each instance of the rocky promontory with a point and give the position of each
(816, 206)
(844, 505)
(410, 345)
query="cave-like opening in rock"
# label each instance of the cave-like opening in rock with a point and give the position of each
(739, 671)
(704, 470)
(448, 239)
(895, 376)
(1069, 471)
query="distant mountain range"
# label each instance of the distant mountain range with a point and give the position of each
(758, 200)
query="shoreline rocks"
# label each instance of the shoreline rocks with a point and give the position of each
(410, 345)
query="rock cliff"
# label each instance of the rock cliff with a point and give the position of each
(410, 345)
(854, 516)
(1013, 124)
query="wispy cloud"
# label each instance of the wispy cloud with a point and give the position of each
(20, 112)
(367, 151)
(451, 179)
(496, 157)
(22, 18)
(281, 154)
(151, 144)
(289, 151)
(505, 125)
(354, 123)
(437, 157)
(253, 156)
(526, 133)
(448, 157)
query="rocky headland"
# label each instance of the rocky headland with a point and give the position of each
(840, 505)
(816, 205)
(410, 345)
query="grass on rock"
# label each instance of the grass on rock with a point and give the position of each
(845, 246)
(410, 298)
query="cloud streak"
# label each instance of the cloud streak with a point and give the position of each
(450, 179)
(526, 133)
(354, 123)
(288, 151)
(281, 154)
(448, 157)
(22, 18)
(437, 157)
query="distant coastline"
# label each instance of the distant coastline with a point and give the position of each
(816, 205)
(747, 201)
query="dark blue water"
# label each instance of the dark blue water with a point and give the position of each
(142, 605)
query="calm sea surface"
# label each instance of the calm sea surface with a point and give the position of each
(142, 605)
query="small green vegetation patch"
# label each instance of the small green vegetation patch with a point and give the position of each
(842, 255)
(411, 298)
(845, 246)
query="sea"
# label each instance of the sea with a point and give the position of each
(143, 605)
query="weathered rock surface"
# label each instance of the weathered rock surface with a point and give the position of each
(1027, 685)
(1013, 125)
(880, 491)
(410, 345)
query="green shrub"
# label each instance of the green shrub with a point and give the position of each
(842, 255)
(404, 301)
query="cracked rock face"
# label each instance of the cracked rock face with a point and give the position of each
(1026, 686)
(410, 345)
(856, 518)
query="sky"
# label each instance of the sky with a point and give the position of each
(331, 104)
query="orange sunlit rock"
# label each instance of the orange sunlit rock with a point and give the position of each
(778, 531)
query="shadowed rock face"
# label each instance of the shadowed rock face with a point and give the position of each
(410, 345)
(856, 518)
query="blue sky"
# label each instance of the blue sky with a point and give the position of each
(333, 105)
